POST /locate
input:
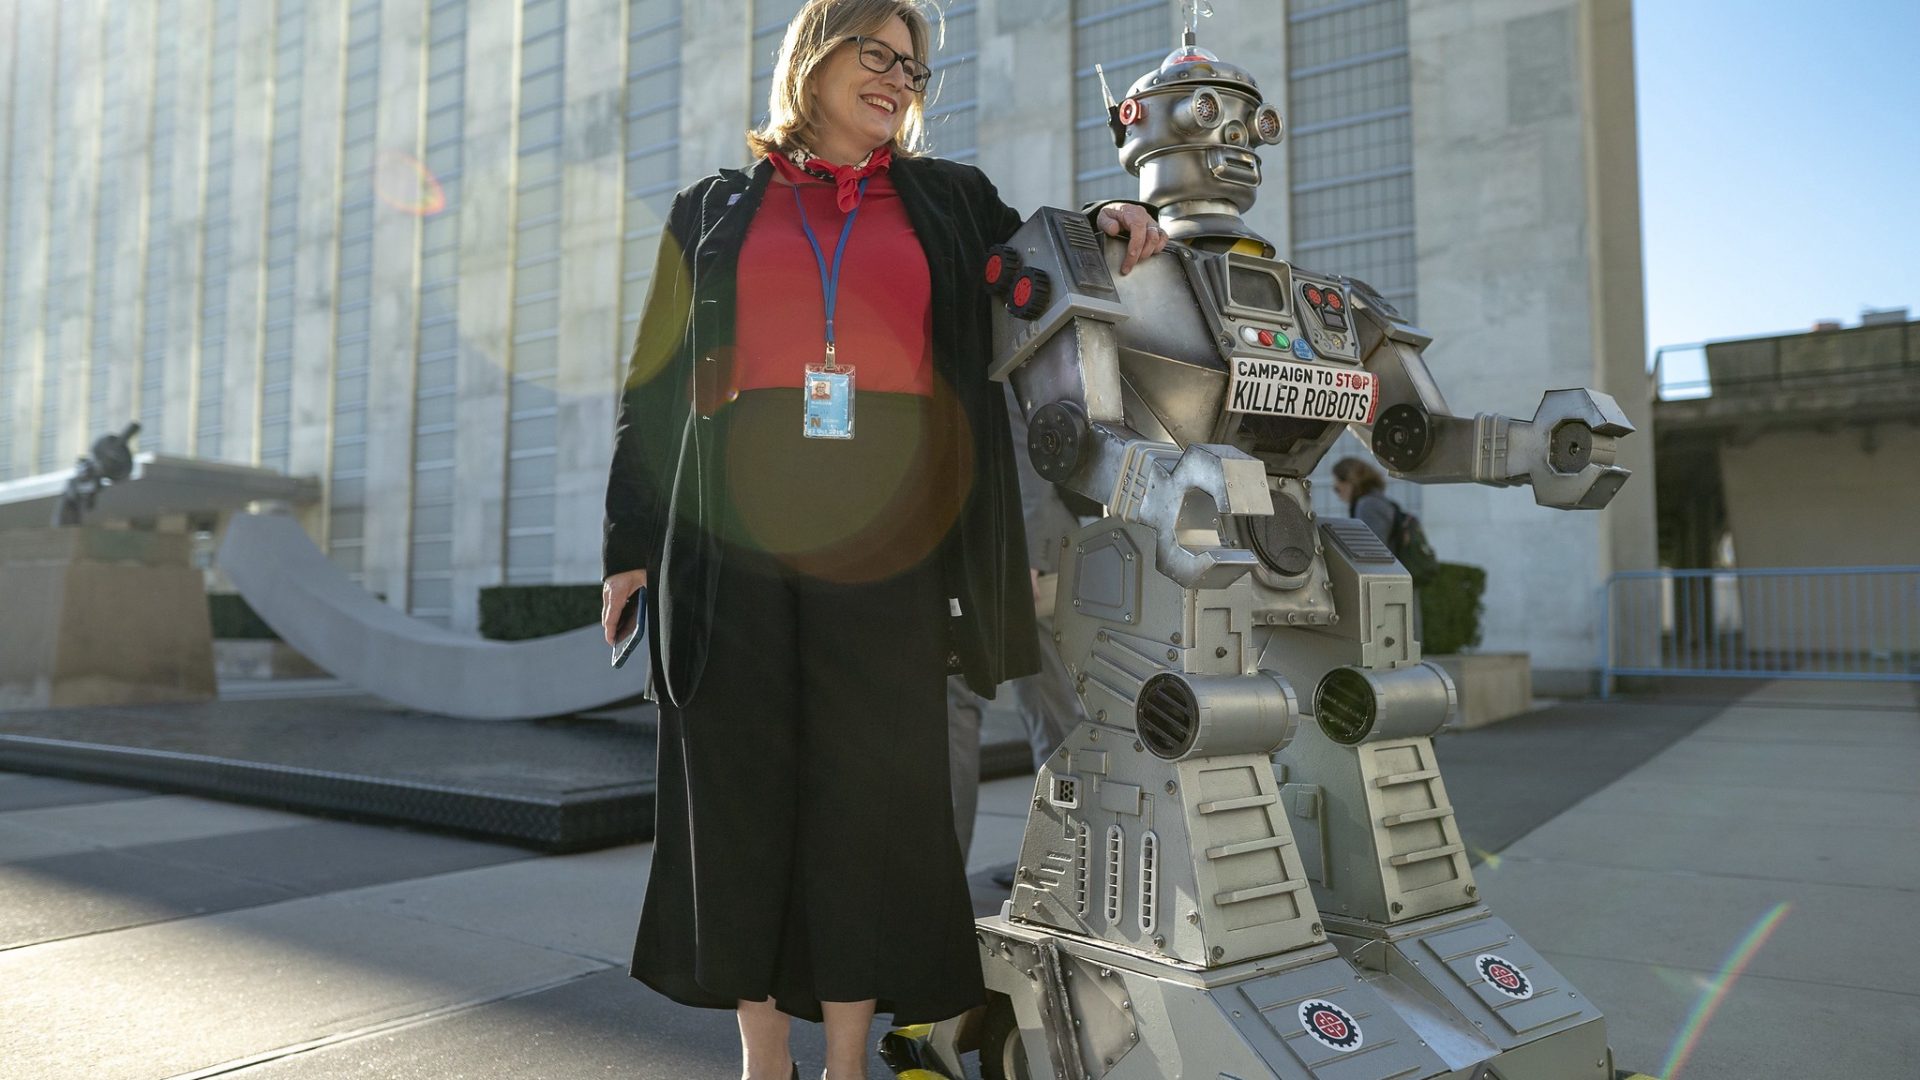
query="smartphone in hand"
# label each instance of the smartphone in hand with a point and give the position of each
(631, 627)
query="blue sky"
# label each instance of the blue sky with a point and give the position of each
(1779, 163)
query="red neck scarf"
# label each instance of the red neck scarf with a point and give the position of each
(801, 166)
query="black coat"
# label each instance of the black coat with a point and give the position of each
(662, 488)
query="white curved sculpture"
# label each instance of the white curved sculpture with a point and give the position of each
(318, 610)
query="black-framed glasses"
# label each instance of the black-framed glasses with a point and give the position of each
(879, 57)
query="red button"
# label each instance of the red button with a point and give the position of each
(1333, 300)
(1022, 291)
(993, 269)
(1313, 296)
(1266, 338)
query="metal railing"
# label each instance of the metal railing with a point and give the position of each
(1857, 623)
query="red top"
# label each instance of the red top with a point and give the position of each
(883, 327)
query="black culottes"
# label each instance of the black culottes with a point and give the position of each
(804, 839)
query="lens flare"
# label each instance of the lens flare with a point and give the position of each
(1716, 989)
(404, 183)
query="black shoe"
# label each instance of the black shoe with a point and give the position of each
(796, 1071)
(1002, 876)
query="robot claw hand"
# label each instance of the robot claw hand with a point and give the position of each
(1568, 449)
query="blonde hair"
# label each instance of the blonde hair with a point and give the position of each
(817, 30)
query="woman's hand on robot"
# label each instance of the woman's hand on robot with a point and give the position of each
(613, 598)
(1145, 237)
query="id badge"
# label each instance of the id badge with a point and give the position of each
(829, 402)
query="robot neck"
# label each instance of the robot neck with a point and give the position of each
(1211, 225)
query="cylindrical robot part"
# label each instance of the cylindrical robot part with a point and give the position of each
(1357, 705)
(1181, 715)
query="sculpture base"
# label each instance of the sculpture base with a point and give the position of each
(101, 617)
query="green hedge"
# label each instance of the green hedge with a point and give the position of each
(233, 620)
(518, 612)
(1450, 609)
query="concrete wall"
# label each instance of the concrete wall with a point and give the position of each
(1526, 199)
(1810, 498)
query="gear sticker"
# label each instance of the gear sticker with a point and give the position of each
(1504, 977)
(1330, 1025)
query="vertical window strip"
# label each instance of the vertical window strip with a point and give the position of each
(11, 272)
(1129, 38)
(63, 206)
(157, 280)
(113, 109)
(430, 541)
(1348, 76)
(216, 232)
(652, 159)
(532, 417)
(276, 358)
(953, 94)
(1352, 204)
(353, 298)
(770, 19)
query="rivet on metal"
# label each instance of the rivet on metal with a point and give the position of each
(1172, 787)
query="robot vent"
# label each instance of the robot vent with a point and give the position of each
(1168, 715)
(1116, 855)
(1346, 706)
(1082, 855)
(1149, 882)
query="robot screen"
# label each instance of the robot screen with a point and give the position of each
(1257, 289)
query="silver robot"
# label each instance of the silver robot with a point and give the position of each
(1246, 864)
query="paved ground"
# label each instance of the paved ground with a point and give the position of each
(1638, 844)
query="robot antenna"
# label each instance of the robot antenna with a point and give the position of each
(1195, 11)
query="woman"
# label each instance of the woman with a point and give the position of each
(812, 591)
(1364, 490)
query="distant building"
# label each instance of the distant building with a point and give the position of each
(402, 245)
(1802, 455)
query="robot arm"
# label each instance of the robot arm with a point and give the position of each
(1566, 451)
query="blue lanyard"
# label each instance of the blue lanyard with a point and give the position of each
(830, 286)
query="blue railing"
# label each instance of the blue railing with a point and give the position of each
(1857, 623)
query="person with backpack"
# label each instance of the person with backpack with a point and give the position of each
(1364, 489)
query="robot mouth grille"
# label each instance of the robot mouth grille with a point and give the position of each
(1168, 716)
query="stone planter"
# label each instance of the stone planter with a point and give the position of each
(1492, 686)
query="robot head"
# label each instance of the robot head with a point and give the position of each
(1188, 130)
